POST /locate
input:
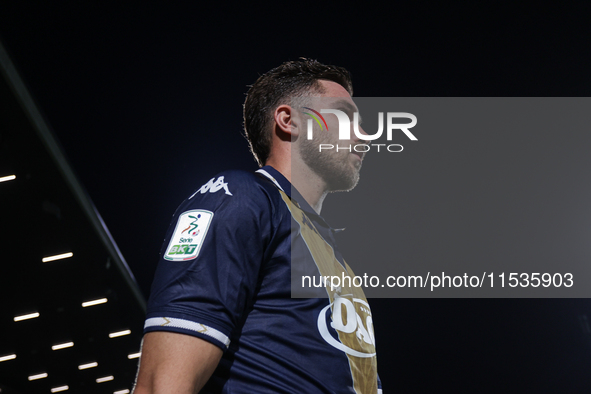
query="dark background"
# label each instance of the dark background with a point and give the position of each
(146, 99)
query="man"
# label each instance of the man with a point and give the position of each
(220, 316)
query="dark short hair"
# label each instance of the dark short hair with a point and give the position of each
(277, 87)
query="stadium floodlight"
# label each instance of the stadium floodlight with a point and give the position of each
(26, 317)
(62, 346)
(38, 376)
(94, 302)
(8, 357)
(119, 333)
(89, 365)
(57, 257)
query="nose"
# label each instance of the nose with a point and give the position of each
(360, 131)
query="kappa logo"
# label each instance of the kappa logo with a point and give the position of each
(213, 187)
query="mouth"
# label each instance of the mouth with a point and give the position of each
(359, 154)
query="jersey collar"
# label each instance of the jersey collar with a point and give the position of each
(283, 184)
(277, 178)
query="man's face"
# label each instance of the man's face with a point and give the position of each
(339, 169)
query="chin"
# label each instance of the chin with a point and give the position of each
(343, 183)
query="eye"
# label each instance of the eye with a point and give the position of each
(348, 111)
(351, 114)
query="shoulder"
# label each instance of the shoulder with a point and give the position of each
(231, 206)
(235, 179)
(234, 183)
(234, 190)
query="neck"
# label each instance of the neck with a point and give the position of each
(306, 181)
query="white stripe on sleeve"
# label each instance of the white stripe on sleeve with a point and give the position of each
(187, 325)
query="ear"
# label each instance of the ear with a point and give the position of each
(286, 121)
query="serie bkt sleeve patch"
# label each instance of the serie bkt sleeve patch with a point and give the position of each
(188, 235)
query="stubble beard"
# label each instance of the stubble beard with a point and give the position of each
(334, 168)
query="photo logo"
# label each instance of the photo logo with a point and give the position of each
(345, 129)
(316, 119)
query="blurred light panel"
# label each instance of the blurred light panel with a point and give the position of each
(62, 346)
(94, 302)
(121, 392)
(105, 379)
(26, 317)
(64, 210)
(119, 333)
(9, 357)
(57, 257)
(38, 376)
(89, 365)
(133, 355)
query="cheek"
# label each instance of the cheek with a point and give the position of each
(325, 137)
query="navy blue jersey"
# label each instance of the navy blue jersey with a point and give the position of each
(225, 276)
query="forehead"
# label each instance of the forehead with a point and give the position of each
(333, 89)
(334, 95)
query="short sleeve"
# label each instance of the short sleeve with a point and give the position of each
(210, 261)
